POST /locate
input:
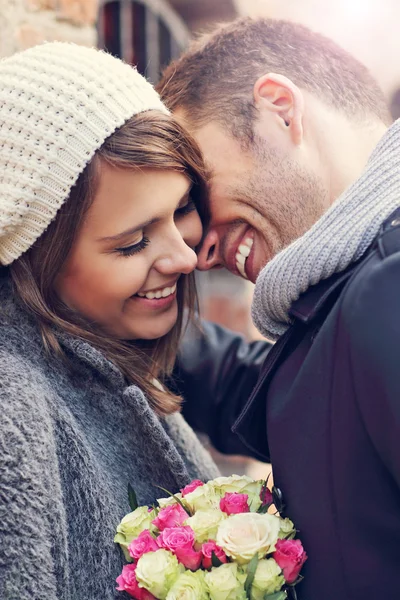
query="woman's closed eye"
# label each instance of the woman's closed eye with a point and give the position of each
(185, 210)
(134, 248)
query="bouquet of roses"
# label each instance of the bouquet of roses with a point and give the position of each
(212, 541)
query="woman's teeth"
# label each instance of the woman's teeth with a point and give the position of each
(241, 255)
(163, 293)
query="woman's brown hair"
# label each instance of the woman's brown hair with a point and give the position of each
(148, 140)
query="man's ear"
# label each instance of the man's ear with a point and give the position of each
(278, 94)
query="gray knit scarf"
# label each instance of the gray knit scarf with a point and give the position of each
(339, 238)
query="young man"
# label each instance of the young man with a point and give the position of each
(304, 197)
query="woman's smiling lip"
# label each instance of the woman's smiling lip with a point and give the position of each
(169, 284)
(155, 303)
(157, 298)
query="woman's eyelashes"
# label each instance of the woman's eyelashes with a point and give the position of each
(135, 248)
(185, 210)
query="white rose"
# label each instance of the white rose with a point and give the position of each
(158, 571)
(189, 586)
(268, 579)
(203, 498)
(234, 483)
(163, 502)
(205, 524)
(287, 529)
(131, 526)
(242, 536)
(239, 484)
(226, 582)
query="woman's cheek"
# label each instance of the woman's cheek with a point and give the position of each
(128, 275)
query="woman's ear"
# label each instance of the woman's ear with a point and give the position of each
(279, 95)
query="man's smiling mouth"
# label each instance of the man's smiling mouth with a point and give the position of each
(242, 254)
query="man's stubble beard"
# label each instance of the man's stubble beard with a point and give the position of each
(287, 198)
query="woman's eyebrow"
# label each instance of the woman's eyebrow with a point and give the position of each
(127, 232)
(132, 230)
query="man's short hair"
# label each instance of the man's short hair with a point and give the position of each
(214, 78)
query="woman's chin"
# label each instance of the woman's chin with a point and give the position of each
(154, 327)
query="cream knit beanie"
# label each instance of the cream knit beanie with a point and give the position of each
(58, 104)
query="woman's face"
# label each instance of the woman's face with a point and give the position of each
(136, 241)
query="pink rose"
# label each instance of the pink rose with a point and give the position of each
(170, 516)
(193, 485)
(189, 558)
(180, 541)
(235, 503)
(207, 550)
(127, 583)
(142, 544)
(266, 496)
(176, 538)
(290, 556)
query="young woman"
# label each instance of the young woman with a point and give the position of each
(98, 223)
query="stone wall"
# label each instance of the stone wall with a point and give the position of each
(24, 23)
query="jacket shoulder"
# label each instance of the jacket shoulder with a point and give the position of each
(380, 266)
(370, 307)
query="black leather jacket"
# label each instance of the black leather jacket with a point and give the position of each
(216, 373)
(326, 411)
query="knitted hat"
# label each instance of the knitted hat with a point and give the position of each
(58, 104)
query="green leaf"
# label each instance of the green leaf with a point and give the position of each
(251, 571)
(299, 578)
(133, 503)
(215, 560)
(178, 500)
(263, 509)
(277, 596)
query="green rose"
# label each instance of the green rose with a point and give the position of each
(226, 582)
(205, 524)
(131, 525)
(158, 571)
(287, 529)
(203, 498)
(268, 579)
(189, 586)
(240, 484)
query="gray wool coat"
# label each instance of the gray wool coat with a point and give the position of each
(70, 442)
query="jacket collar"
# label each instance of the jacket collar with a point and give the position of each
(310, 304)
(315, 299)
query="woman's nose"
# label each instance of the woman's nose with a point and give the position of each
(178, 256)
(208, 255)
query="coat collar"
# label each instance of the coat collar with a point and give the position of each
(316, 299)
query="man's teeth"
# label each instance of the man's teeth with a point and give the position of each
(241, 255)
(163, 293)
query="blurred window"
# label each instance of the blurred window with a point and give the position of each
(145, 33)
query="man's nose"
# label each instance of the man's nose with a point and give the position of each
(208, 255)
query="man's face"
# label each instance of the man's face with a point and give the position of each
(262, 198)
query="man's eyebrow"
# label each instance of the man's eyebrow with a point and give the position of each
(132, 230)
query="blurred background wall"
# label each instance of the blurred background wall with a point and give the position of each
(149, 33)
